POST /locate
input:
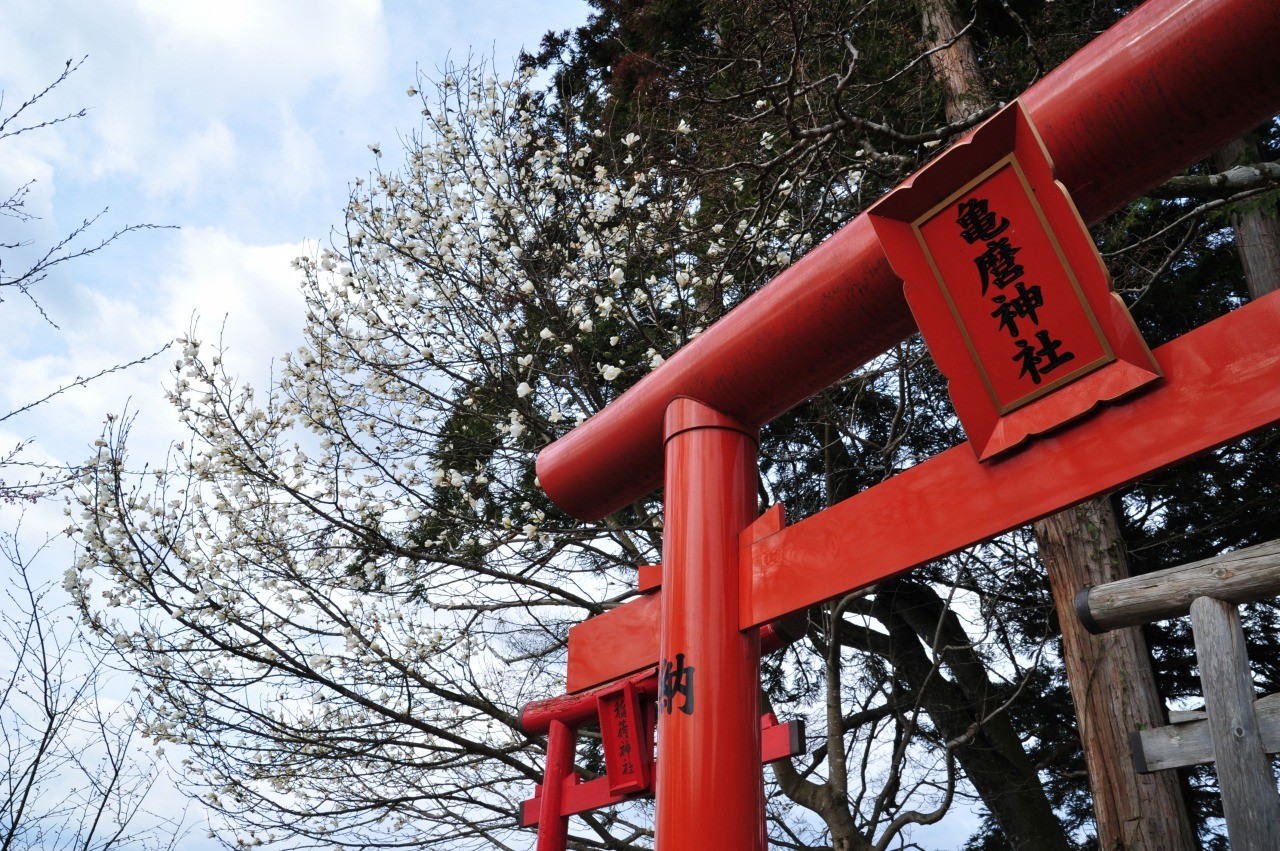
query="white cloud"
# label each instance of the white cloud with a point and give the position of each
(278, 50)
(259, 109)
(186, 99)
(244, 293)
(184, 164)
(215, 275)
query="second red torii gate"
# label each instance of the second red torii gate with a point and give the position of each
(1159, 90)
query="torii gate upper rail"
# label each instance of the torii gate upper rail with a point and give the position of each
(1170, 82)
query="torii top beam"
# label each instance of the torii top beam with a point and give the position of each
(1170, 82)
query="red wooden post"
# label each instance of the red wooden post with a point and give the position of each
(553, 826)
(710, 790)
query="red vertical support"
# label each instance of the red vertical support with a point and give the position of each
(709, 785)
(553, 826)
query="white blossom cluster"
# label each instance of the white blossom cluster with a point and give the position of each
(341, 591)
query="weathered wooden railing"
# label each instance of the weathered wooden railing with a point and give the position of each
(1236, 730)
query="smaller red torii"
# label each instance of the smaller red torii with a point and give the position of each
(628, 758)
(626, 712)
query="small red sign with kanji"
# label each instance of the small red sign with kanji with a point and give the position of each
(627, 738)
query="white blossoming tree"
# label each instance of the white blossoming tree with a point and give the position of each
(341, 591)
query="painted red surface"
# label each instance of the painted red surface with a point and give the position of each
(994, 328)
(619, 642)
(708, 768)
(778, 740)
(630, 635)
(582, 708)
(1008, 289)
(1222, 381)
(625, 738)
(553, 827)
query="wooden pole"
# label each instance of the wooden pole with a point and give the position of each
(1239, 577)
(1249, 799)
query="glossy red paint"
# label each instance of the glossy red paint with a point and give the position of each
(778, 740)
(581, 708)
(626, 738)
(632, 629)
(553, 826)
(624, 641)
(1008, 288)
(710, 790)
(619, 642)
(1170, 82)
(1222, 381)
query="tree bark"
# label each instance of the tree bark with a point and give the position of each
(954, 60)
(818, 797)
(1112, 685)
(1257, 231)
(994, 760)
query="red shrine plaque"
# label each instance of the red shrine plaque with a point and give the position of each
(628, 752)
(1008, 288)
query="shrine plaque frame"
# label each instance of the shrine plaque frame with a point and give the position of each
(1054, 262)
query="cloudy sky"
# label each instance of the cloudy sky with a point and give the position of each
(240, 122)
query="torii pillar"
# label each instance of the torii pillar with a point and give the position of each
(710, 790)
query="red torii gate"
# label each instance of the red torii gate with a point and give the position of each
(1170, 82)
